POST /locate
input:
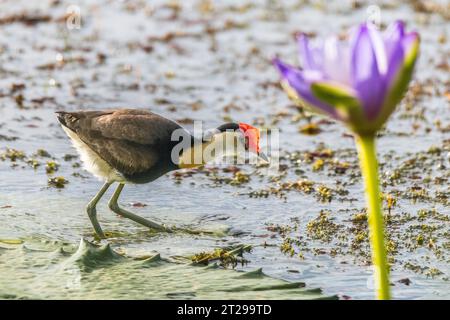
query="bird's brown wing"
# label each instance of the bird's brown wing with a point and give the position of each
(129, 140)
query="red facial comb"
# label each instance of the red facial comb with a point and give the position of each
(253, 136)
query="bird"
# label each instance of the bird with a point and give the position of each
(137, 146)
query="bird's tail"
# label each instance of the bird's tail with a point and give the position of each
(68, 120)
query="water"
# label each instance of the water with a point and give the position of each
(120, 57)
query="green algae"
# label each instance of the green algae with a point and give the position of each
(51, 167)
(57, 182)
(227, 257)
(12, 154)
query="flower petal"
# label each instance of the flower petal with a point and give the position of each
(378, 48)
(397, 89)
(301, 83)
(409, 43)
(366, 76)
(336, 61)
(400, 52)
(393, 37)
(310, 57)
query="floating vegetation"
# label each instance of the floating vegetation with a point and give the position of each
(70, 157)
(318, 165)
(51, 167)
(310, 129)
(13, 155)
(324, 193)
(305, 186)
(390, 200)
(423, 230)
(43, 153)
(322, 228)
(33, 163)
(57, 182)
(282, 230)
(240, 178)
(227, 258)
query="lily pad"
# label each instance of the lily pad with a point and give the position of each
(98, 272)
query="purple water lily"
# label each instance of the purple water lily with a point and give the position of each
(359, 81)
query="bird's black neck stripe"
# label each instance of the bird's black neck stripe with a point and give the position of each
(228, 127)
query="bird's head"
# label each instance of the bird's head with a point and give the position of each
(244, 137)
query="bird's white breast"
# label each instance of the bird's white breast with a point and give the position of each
(92, 162)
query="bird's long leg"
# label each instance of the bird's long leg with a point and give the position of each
(92, 211)
(114, 206)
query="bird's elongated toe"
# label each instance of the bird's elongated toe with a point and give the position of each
(114, 206)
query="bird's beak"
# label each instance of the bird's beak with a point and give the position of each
(263, 156)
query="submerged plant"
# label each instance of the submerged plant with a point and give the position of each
(358, 82)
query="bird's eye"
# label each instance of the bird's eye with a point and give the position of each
(246, 143)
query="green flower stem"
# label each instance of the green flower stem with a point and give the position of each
(369, 167)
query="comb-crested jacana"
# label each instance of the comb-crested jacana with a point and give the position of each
(138, 146)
